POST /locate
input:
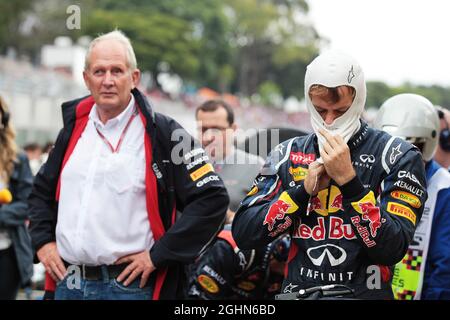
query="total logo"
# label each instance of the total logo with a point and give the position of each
(302, 158)
(337, 230)
(299, 173)
(335, 254)
(318, 203)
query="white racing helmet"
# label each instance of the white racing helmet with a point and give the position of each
(333, 69)
(413, 118)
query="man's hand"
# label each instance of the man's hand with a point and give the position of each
(336, 159)
(317, 178)
(138, 263)
(49, 256)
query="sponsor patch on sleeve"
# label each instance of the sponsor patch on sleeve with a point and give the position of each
(286, 198)
(208, 283)
(277, 211)
(246, 285)
(367, 199)
(200, 172)
(401, 211)
(370, 213)
(407, 197)
(298, 174)
(253, 191)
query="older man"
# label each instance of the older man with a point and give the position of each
(103, 207)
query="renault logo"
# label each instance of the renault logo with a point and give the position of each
(336, 256)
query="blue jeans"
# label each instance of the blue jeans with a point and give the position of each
(105, 289)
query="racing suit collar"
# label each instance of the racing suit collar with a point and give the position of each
(354, 141)
(361, 135)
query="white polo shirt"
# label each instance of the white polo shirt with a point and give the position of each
(102, 213)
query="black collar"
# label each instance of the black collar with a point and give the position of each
(359, 136)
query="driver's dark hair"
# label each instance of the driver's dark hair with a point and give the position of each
(213, 105)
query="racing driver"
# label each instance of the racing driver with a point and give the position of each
(334, 191)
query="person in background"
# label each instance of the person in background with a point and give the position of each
(46, 150)
(105, 201)
(424, 272)
(16, 258)
(34, 154)
(216, 130)
(442, 155)
(225, 272)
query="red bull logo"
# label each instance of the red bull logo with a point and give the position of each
(318, 203)
(371, 213)
(337, 229)
(277, 211)
(331, 197)
(363, 232)
(315, 204)
(337, 202)
(284, 205)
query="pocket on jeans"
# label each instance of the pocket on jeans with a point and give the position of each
(131, 288)
(63, 281)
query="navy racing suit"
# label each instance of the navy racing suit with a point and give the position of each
(351, 234)
(225, 272)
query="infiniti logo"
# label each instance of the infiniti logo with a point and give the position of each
(367, 158)
(335, 259)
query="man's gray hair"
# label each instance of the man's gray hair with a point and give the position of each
(119, 36)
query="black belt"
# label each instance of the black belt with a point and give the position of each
(95, 272)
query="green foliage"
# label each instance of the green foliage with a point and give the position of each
(12, 14)
(156, 37)
(242, 46)
(189, 35)
(269, 93)
(227, 45)
(272, 44)
(378, 92)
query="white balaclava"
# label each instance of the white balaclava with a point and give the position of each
(333, 69)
